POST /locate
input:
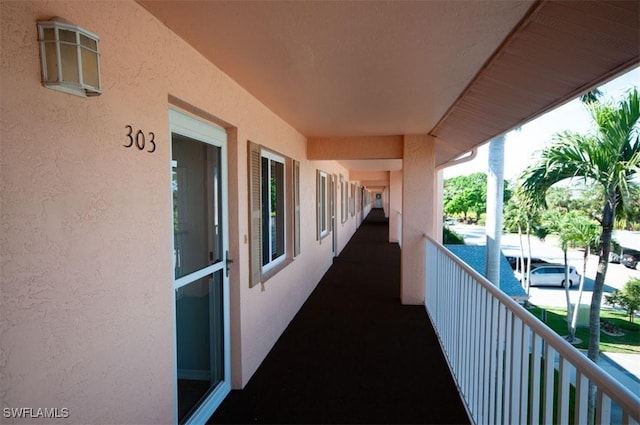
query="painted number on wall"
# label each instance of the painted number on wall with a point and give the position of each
(139, 140)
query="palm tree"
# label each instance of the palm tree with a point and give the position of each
(610, 156)
(523, 216)
(576, 230)
(494, 207)
(591, 96)
(582, 232)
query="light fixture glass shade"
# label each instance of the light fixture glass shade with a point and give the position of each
(70, 58)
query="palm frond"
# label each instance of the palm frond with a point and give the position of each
(611, 156)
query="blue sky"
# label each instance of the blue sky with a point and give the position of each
(520, 147)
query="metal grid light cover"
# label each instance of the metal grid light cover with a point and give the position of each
(70, 58)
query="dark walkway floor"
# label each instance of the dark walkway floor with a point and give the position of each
(353, 353)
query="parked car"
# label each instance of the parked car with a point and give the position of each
(553, 274)
(514, 262)
(629, 261)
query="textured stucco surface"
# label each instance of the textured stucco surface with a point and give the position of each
(395, 204)
(372, 147)
(418, 194)
(86, 258)
(85, 242)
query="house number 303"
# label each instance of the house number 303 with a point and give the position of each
(139, 139)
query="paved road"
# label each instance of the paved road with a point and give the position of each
(617, 274)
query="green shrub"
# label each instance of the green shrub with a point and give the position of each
(451, 237)
(628, 297)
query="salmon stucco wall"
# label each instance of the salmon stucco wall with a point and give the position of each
(85, 243)
(419, 189)
(395, 205)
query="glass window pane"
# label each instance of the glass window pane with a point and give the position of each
(67, 36)
(69, 59)
(196, 205)
(51, 56)
(48, 34)
(88, 42)
(90, 68)
(266, 213)
(214, 170)
(200, 340)
(278, 208)
(273, 210)
(323, 202)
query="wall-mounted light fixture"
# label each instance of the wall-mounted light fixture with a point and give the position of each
(70, 58)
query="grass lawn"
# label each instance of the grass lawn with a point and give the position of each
(628, 343)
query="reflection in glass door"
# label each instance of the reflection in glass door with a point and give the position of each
(198, 188)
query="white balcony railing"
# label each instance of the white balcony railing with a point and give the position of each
(509, 366)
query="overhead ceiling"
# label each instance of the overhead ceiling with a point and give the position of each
(372, 164)
(463, 71)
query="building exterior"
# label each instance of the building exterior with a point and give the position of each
(158, 238)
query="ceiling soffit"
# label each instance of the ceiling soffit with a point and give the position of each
(560, 50)
(349, 68)
(462, 71)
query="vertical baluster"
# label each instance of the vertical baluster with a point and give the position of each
(469, 336)
(443, 292)
(516, 370)
(582, 398)
(450, 309)
(500, 390)
(468, 361)
(429, 275)
(493, 365)
(448, 291)
(508, 368)
(563, 391)
(460, 337)
(465, 329)
(486, 348)
(547, 413)
(431, 282)
(526, 376)
(474, 348)
(480, 313)
(534, 401)
(455, 317)
(603, 409)
(458, 322)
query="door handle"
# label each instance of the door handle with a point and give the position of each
(228, 262)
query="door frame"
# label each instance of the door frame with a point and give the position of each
(204, 131)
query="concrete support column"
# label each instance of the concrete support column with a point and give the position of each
(439, 206)
(395, 204)
(418, 214)
(385, 201)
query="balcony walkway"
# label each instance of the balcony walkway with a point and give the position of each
(353, 353)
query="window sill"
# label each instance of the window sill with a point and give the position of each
(273, 271)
